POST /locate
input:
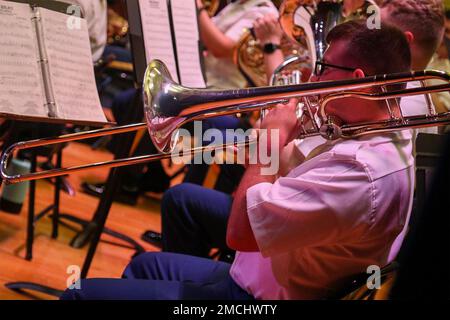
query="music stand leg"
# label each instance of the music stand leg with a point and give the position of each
(55, 216)
(31, 202)
(21, 286)
(111, 187)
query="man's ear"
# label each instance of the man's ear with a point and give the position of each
(358, 73)
(409, 37)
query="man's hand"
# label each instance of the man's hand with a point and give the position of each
(268, 30)
(283, 118)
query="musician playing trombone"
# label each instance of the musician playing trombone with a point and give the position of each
(303, 235)
(422, 21)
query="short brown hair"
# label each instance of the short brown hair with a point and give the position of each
(375, 51)
(424, 18)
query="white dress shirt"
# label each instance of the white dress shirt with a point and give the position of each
(410, 106)
(233, 20)
(328, 219)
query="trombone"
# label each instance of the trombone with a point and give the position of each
(168, 106)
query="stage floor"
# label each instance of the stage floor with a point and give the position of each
(51, 257)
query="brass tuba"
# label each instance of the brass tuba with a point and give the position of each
(249, 58)
(306, 24)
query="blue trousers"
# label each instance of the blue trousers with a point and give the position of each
(194, 219)
(230, 174)
(164, 276)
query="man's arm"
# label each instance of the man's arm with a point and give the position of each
(215, 40)
(239, 232)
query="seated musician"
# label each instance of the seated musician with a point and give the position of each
(422, 21)
(305, 234)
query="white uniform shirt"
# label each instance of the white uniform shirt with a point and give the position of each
(96, 14)
(410, 106)
(233, 20)
(328, 219)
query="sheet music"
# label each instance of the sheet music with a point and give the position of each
(21, 89)
(71, 69)
(184, 15)
(157, 33)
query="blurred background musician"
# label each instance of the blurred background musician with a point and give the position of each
(220, 35)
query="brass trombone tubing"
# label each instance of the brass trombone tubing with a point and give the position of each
(57, 140)
(385, 96)
(110, 164)
(393, 123)
(209, 103)
(76, 136)
(192, 104)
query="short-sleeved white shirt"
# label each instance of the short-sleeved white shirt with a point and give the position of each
(328, 219)
(410, 106)
(233, 20)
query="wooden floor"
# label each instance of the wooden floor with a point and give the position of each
(53, 256)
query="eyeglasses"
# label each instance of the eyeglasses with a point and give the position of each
(321, 66)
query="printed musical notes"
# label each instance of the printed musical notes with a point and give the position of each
(21, 90)
(71, 69)
(157, 33)
(187, 43)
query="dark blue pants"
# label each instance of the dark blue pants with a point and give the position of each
(164, 276)
(230, 174)
(194, 219)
